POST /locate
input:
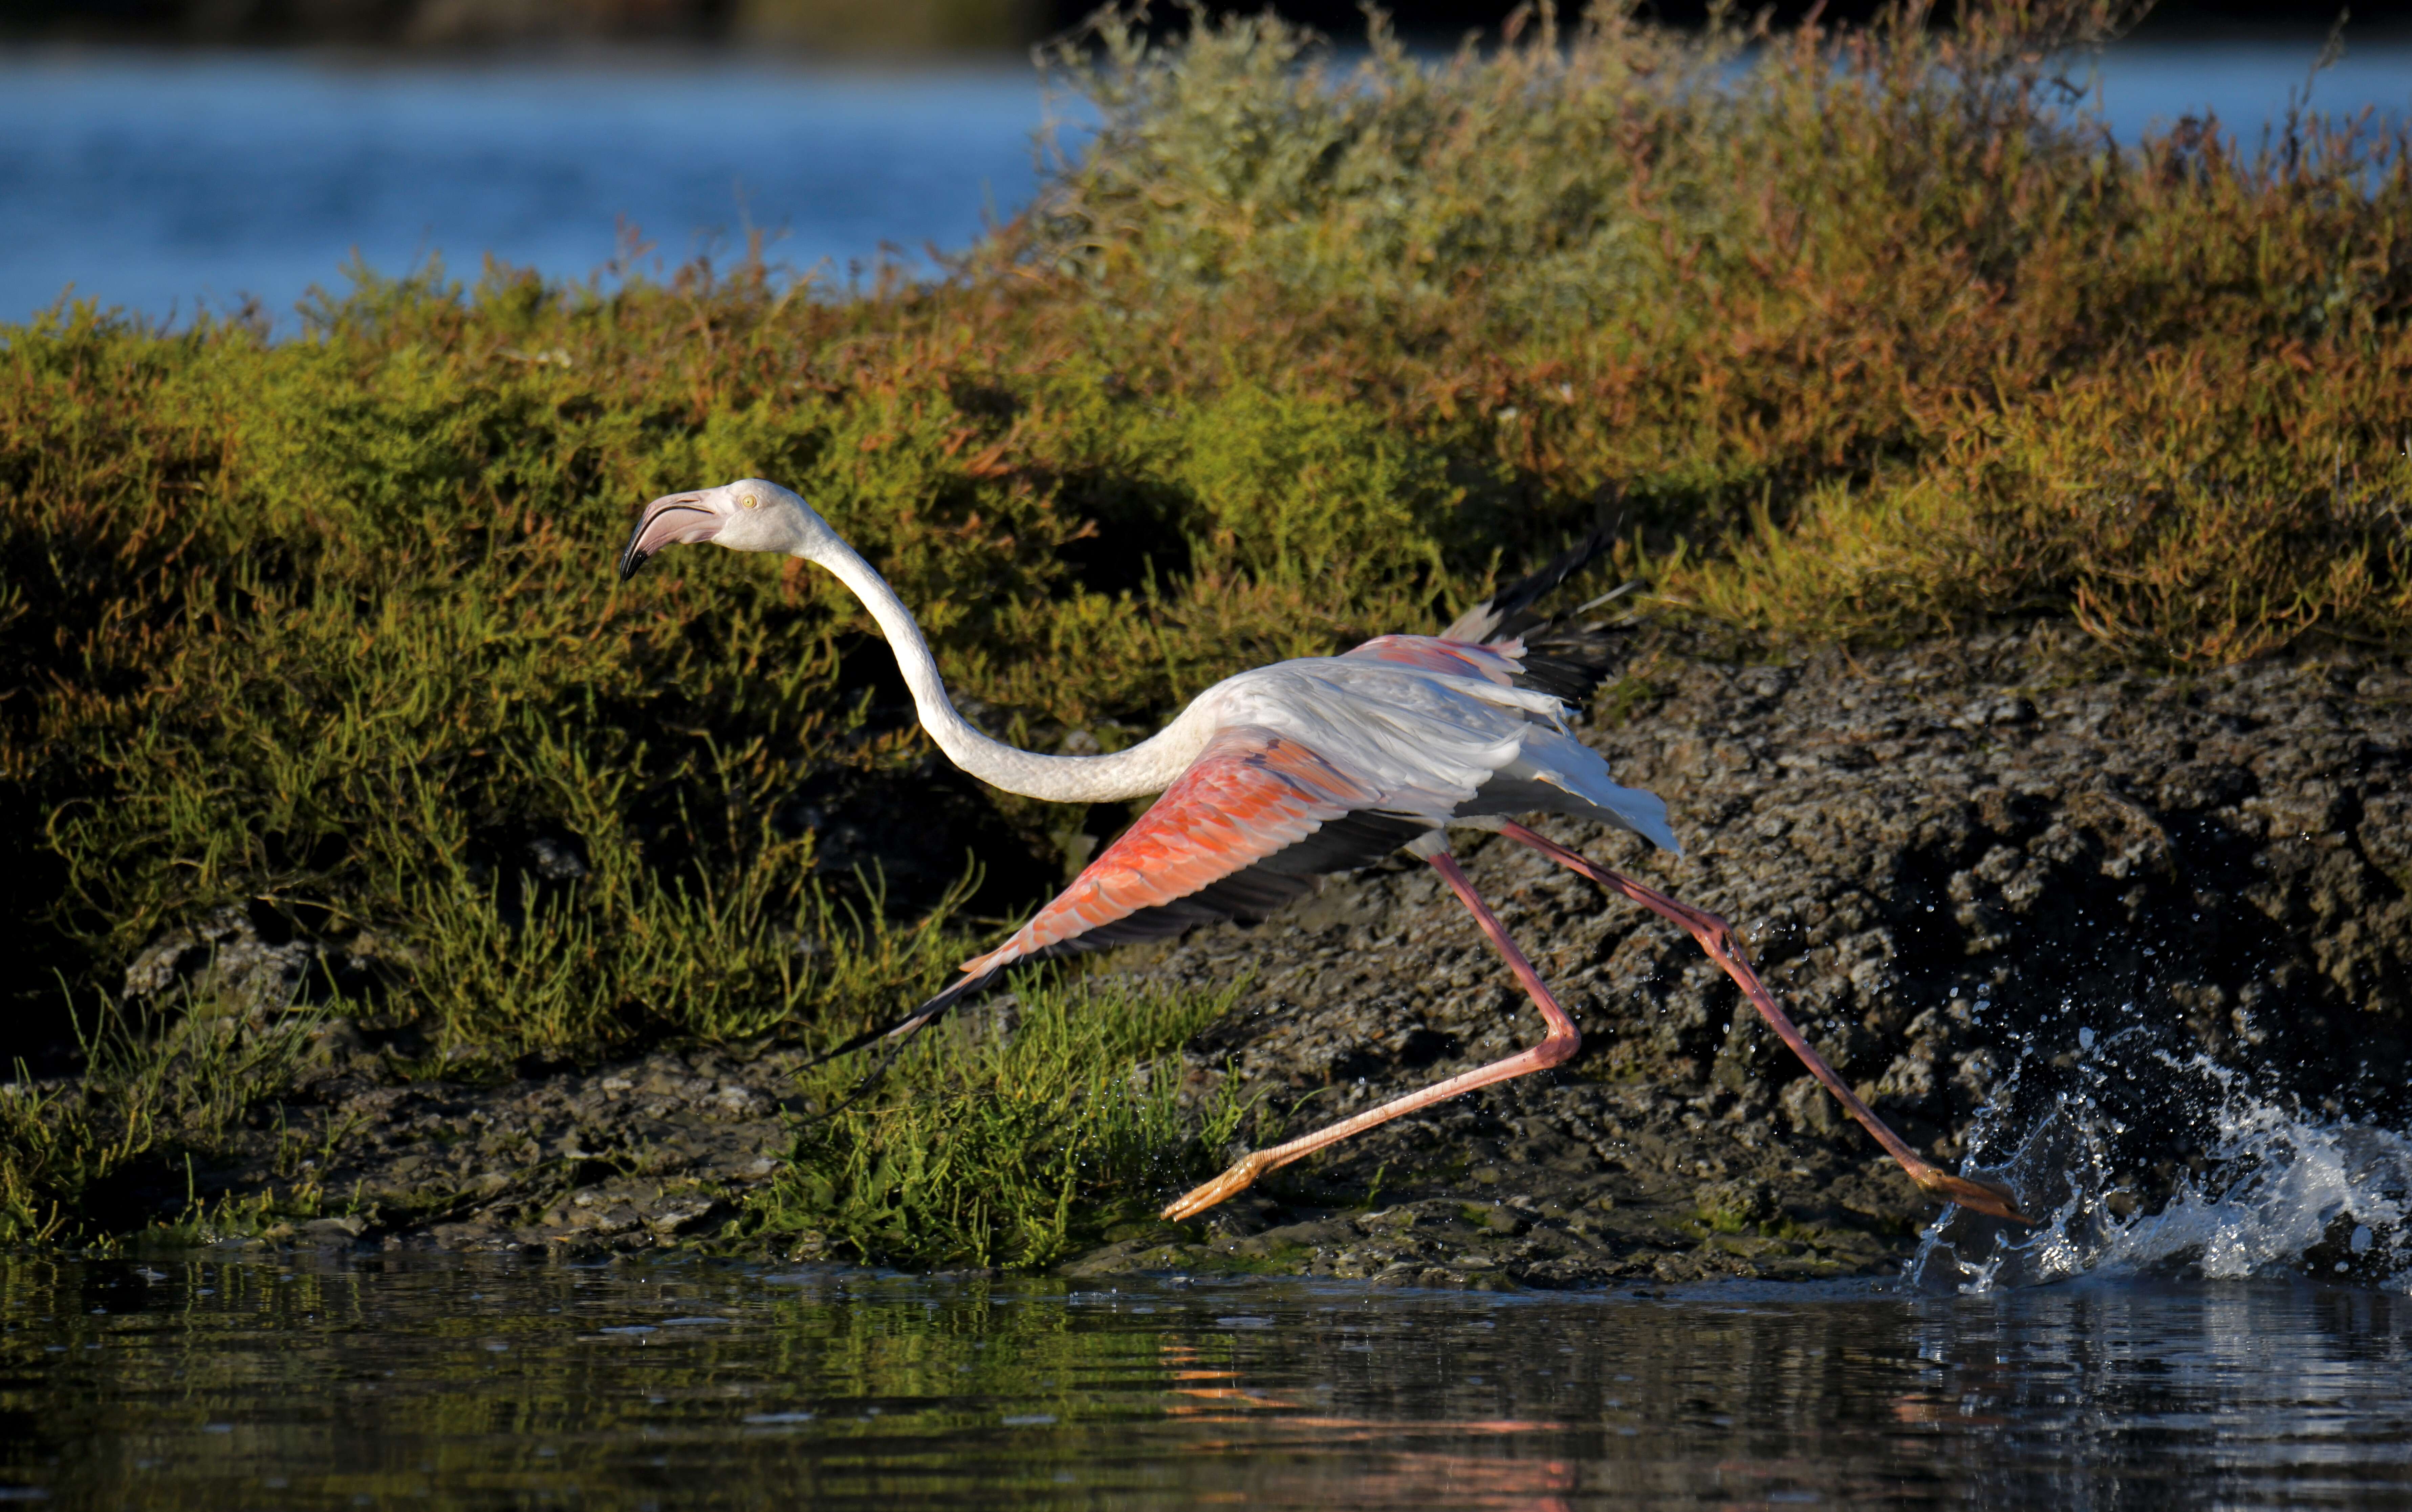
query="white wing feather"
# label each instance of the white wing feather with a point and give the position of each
(1428, 741)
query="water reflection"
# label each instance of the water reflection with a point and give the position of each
(206, 1382)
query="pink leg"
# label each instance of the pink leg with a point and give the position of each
(1715, 938)
(1556, 1048)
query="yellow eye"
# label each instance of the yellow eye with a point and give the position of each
(748, 500)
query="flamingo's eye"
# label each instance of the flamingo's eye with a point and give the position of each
(748, 500)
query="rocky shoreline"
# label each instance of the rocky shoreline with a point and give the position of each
(1981, 869)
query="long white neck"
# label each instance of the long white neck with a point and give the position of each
(1149, 767)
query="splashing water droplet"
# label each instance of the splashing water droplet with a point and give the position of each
(2277, 1192)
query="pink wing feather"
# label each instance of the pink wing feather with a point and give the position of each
(1452, 658)
(1249, 794)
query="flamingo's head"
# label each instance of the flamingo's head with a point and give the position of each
(749, 515)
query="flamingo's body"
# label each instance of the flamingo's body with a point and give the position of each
(1326, 765)
(1276, 775)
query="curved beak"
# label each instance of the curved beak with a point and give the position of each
(674, 519)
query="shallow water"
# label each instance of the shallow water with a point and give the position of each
(312, 1381)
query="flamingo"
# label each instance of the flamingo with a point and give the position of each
(1315, 765)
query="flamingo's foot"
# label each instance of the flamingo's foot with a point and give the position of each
(1242, 1176)
(1972, 1192)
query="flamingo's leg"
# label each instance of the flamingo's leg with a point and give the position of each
(1716, 939)
(1556, 1048)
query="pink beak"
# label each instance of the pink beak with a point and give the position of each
(675, 518)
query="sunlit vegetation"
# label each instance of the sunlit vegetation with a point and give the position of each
(985, 1147)
(1858, 336)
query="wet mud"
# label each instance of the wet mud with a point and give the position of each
(1959, 865)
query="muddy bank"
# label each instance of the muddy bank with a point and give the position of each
(1978, 870)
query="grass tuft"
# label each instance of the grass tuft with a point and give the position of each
(1011, 1138)
(151, 1095)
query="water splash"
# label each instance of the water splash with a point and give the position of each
(2269, 1192)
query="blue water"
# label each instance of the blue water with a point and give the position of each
(2248, 85)
(164, 183)
(168, 183)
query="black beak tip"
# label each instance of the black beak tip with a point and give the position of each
(633, 554)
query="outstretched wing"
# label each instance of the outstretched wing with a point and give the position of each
(1254, 817)
(1246, 829)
